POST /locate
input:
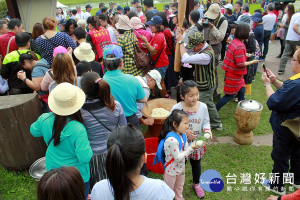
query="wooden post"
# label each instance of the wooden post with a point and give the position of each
(13, 9)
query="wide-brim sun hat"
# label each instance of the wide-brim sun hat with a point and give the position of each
(257, 17)
(66, 99)
(213, 11)
(136, 23)
(123, 23)
(84, 52)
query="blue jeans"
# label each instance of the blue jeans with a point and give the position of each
(162, 71)
(87, 188)
(226, 98)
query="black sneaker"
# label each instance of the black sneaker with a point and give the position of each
(280, 72)
(279, 56)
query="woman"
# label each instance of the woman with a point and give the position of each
(37, 30)
(136, 23)
(45, 44)
(101, 114)
(157, 49)
(70, 27)
(64, 183)
(285, 22)
(146, 18)
(171, 76)
(235, 66)
(285, 106)
(125, 158)
(64, 132)
(30, 62)
(126, 41)
(63, 71)
(98, 37)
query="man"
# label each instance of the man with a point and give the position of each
(134, 6)
(148, 82)
(101, 5)
(112, 32)
(104, 10)
(126, 10)
(87, 13)
(237, 8)
(74, 15)
(119, 9)
(149, 6)
(3, 27)
(11, 65)
(139, 9)
(80, 35)
(62, 24)
(7, 40)
(79, 12)
(174, 8)
(215, 32)
(292, 41)
(268, 23)
(167, 12)
(245, 11)
(203, 58)
(196, 5)
(125, 88)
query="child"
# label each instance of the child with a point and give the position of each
(198, 122)
(125, 158)
(176, 150)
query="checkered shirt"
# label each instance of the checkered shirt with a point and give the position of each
(126, 42)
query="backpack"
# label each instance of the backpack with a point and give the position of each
(228, 28)
(160, 154)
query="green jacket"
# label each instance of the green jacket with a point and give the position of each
(73, 150)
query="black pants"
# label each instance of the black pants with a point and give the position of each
(267, 35)
(187, 73)
(196, 170)
(134, 120)
(286, 155)
(281, 46)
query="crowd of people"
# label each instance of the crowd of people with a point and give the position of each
(92, 89)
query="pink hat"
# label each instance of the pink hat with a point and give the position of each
(136, 23)
(59, 49)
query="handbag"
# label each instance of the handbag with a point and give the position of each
(142, 60)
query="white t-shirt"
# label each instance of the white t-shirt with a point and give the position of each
(291, 34)
(269, 21)
(112, 34)
(86, 15)
(150, 189)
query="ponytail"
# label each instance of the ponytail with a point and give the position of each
(176, 116)
(126, 146)
(104, 94)
(199, 27)
(29, 55)
(94, 21)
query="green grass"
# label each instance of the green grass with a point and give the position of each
(17, 185)
(227, 112)
(228, 158)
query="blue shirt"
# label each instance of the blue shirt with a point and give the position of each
(40, 70)
(259, 33)
(231, 19)
(98, 13)
(126, 89)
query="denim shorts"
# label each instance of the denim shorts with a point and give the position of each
(162, 71)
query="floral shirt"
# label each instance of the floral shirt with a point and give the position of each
(126, 42)
(171, 149)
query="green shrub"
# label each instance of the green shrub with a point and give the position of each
(3, 9)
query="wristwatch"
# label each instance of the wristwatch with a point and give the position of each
(180, 41)
(24, 80)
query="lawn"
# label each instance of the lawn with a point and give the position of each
(225, 158)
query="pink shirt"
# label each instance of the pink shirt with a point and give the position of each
(143, 33)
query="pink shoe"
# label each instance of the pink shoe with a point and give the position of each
(199, 191)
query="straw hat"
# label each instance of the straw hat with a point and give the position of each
(124, 23)
(66, 99)
(84, 52)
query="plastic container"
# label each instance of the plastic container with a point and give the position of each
(151, 145)
(151, 148)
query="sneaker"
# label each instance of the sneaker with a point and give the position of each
(199, 191)
(296, 186)
(280, 72)
(235, 100)
(219, 128)
(279, 56)
(267, 185)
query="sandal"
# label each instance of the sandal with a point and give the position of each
(199, 191)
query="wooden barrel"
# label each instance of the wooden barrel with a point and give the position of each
(154, 130)
(18, 148)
